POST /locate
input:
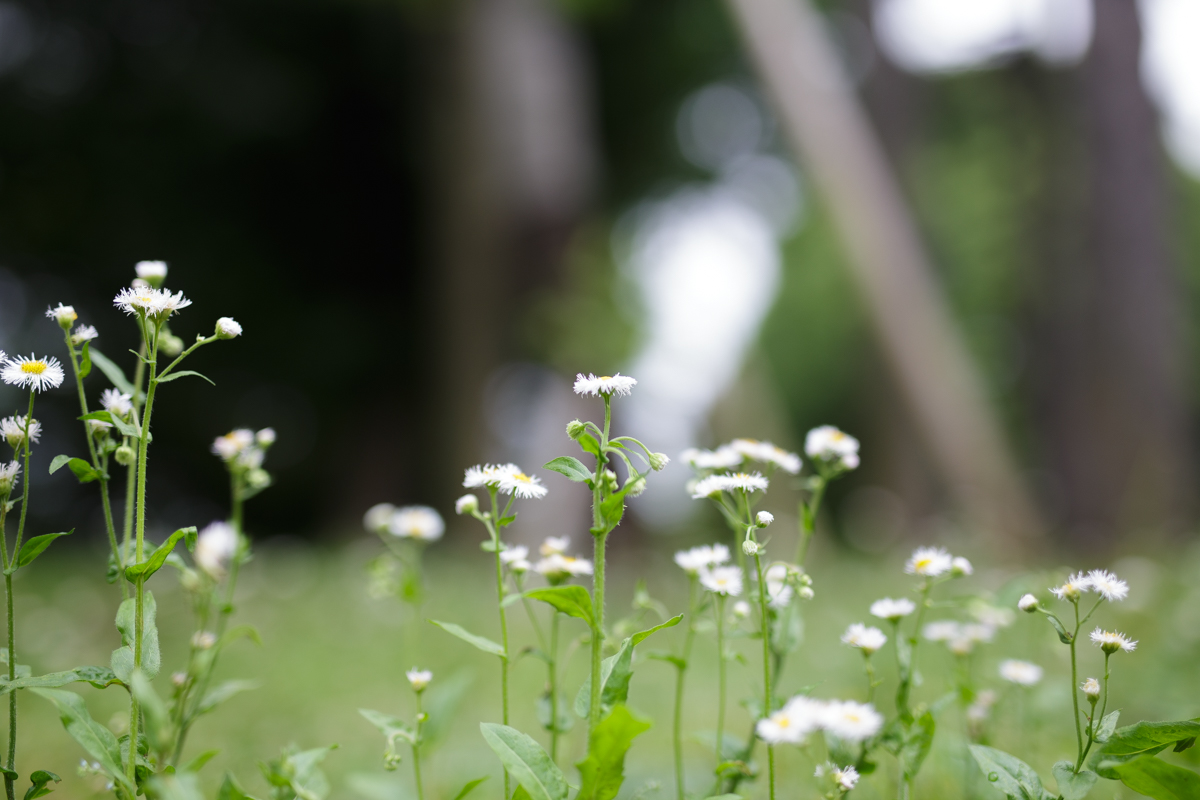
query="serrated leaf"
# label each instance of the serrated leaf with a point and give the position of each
(526, 761)
(603, 771)
(36, 546)
(111, 371)
(1156, 778)
(486, 645)
(183, 373)
(96, 739)
(571, 468)
(159, 557)
(1012, 776)
(615, 672)
(574, 601)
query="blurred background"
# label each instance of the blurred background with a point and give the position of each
(430, 215)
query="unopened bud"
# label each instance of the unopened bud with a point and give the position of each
(960, 567)
(806, 593)
(204, 640)
(1091, 688)
(265, 437)
(228, 328)
(258, 478)
(125, 455)
(575, 429)
(610, 480)
(764, 518)
(635, 487)
(750, 547)
(65, 316)
(178, 679)
(1028, 604)
(170, 344)
(152, 273)
(659, 461)
(741, 609)
(467, 504)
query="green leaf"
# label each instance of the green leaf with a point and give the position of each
(154, 563)
(300, 772)
(466, 790)
(121, 425)
(230, 790)
(603, 771)
(615, 672)
(1140, 739)
(197, 763)
(96, 739)
(41, 777)
(122, 657)
(223, 692)
(486, 645)
(589, 444)
(82, 469)
(612, 509)
(1009, 774)
(526, 761)
(158, 726)
(574, 601)
(1156, 778)
(393, 729)
(168, 786)
(111, 371)
(564, 722)
(918, 738)
(1107, 725)
(1063, 635)
(1073, 786)
(85, 365)
(36, 545)
(181, 374)
(99, 677)
(570, 467)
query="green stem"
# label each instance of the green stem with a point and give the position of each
(1096, 719)
(9, 563)
(1075, 689)
(553, 665)
(139, 373)
(905, 687)
(680, 674)
(808, 521)
(720, 613)
(766, 640)
(598, 536)
(416, 749)
(495, 533)
(870, 678)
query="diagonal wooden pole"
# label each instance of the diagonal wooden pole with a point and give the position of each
(830, 132)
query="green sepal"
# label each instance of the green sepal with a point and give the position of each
(574, 601)
(34, 547)
(182, 374)
(526, 761)
(603, 770)
(159, 557)
(484, 644)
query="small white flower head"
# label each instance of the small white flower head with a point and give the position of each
(1091, 688)
(1073, 588)
(13, 430)
(204, 640)
(265, 437)
(171, 303)
(1028, 603)
(215, 547)
(851, 721)
(251, 458)
(748, 482)
(1108, 585)
(417, 522)
(929, 562)
(555, 545)
(557, 567)
(892, 610)
(942, 630)
(512, 555)
(843, 778)
(869, 640)
(378, 516)
(231, 445)
(1111, 641)
(158, 304)
(227, 328)
(488, 475)
(741, 609)
(467, 504)
(153, 272)
(84, 333)
(750, 547)
(724, 457)
(33, 373)
(831, 446)
(98, 427)
(799, 717)
(703, 557)
(8, 476)
(521, 485)
(960, 567)
(116, 403)
(1022, 673)
(779, 584)
(767, 453)
(418, 679)
(725, 581)
(763, 518)
(179, 679)
(604, 386)
(65, 316)
(659, 461)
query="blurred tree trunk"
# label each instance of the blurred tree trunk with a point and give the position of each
(1110, 379)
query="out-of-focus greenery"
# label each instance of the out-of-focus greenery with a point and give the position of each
(329, 649)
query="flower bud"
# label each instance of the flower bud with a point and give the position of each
(258, 478)
(1028, 603)
(65, 316)
(659, 461)
(635, 487)
(125, 455)
(1091, 688)
(265, 437)
(151, 272)
(806, 593)
(227, 328)
(610, 480)
(419, 679)
(178, 679)
(467, 504)
(8, 477)
(169, 344)
(575, 429)
(98, 427)
(750, 547)
(960, 567)
(764, 518)
(741, 609)
(204, 640)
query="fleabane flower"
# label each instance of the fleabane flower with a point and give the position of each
(851, 721)
(1022, 673)
(84, 333)
(13, 431)
(833, 447)
(488, 475)
(467, 504)
(1073, 588)
(418, 679)
(702, 557)
(1091, 688)
(171, 303)
(779, 586)
(961, 567)
(154, 272)
(942, 630)
(1108, 585)
(116, 402)
(138, 299)
(378, 516)
(844, 778)
(230, 446)
(65, 316)
(1028, 603)
(554, 545)
(724, 457)
(869, 640)
(799, 717)
(730, 482)
(227, 328)
(725, 581)
(33, 372)
(521, 485)
(1112, 641)
(605, 385)
(929, 562)
(558, 567)
(417, 522)
(265, 437)
(892, 610)
(516, 558)
(767, 453)
(763, 518)
(8, 477)
(215, 548)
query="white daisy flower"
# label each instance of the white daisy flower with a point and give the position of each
(851, 721)
(767, 453)
(832, 446)
(929, 562)
(942, 630)
(84, 333)
(1022, 673)
(116, 403)
(869, 640)
(171, 303)
(467, 504)
(151, 270)
(558, 567)
(65, 316)
(724, 457)
(215, 548)
(1028, 603)
(845, 778)
(514, 554)
(378, 516)
(722, 580)
(33, 373)
(139, 300)
(799, 717)
(418, 678)
(702, 557)
(8, 477)
(555, 544)
(417, 522)
(1091, 688)
(228, 328)
(764, 518)
(711, 486)
(1108, 585)
(887, 608)
(746, 482)
(265, 437)
(1112, 641)
(1074, 587)
(488, 475)
(605, 385)
(522, 485)
(961, 566)
(250, 458)
(229, 446)
(741, 609)
(779, 588)
(13, 431)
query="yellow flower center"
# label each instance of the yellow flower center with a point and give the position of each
(521, 476)
(606, 377)
(852, 717)
(33, 367)
(784, 721)
(923, 563)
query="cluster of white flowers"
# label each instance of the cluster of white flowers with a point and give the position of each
(700, 558)
(244, 451)
(729, 482)
(892, 610)
(781, 578)
(869, 640)
(1100, 581)
(832, 447)
(844, 778)
(1022, 673)
(215, 548)
(844, 719)
(31, 373)
(961, 638)
(13, 430)
(604, 386)
(145, 300)
(506, 478)
(117, 403)
(930, 562)
(421, 523)
(84, 333)
(735, 453)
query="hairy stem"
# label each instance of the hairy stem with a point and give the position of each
(766, 640)
(1075, 690)
(719, 606)
(416, 749)
(10, 562)
(553, 666)
(680, 674)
